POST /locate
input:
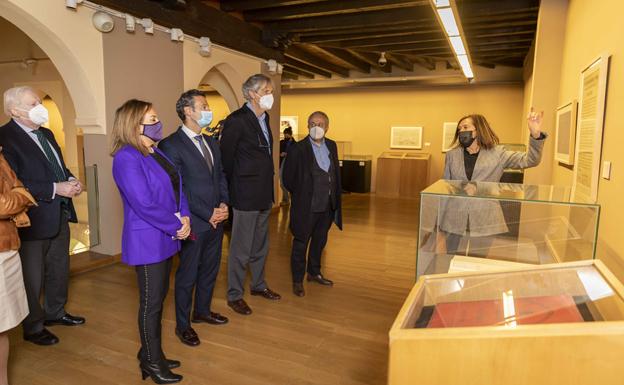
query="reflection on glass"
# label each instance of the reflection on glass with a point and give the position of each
(510, 299)
(85, 234)
(503, 221)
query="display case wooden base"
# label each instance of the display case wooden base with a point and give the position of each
(547, 347)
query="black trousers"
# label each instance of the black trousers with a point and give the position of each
(153, 282)
(316, 236)
(45, 266)
(198, 269)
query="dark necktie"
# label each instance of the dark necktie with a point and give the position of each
(205, 152)
(49, 153)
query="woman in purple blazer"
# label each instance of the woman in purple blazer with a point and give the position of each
(156, 218)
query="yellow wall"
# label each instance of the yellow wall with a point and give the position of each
(594, 27)
(219, 107)
(364, 117)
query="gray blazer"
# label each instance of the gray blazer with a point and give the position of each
(491, 163)
(482, 217)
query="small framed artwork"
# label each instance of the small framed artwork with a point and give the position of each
(409, 138)
(289, 121)
(448, 134)
(566, 133)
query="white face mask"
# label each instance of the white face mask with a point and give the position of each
(266, 102)
(38, 114)
(317, 132)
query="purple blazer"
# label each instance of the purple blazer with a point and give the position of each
(149, 208)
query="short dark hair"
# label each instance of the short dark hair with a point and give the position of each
(187, 100)
(288, 130)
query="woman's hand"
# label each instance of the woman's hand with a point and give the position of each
(534, 121)
(185, 230)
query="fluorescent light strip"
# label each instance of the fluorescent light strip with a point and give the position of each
(465, 66)
(458, 45)
(447, 18)
(448, 21)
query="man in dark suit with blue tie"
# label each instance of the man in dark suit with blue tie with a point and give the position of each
(198, 160)
(36, 158)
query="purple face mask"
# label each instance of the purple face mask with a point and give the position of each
(153, 131)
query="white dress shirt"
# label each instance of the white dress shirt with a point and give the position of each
(34, 137)
(191, 134)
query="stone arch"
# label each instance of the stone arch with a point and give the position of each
(70, 69)
(226, 81)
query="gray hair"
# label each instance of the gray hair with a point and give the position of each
(319, 113)
(13, 97)
(254, 83)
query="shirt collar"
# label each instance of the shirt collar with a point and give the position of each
(28, 130)
(190, 133)
(261, 117)
(317, 144)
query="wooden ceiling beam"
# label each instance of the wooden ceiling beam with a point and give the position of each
(494, 42)
(249, 5)
(413, 16)
(199, 19)
(400, 62)
(364, 33)
(328, 8)
(298, 71)
(301, 55)
(347, 57)
(372, 41)
(306, 67)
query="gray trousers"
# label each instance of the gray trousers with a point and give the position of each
(45, 265)
(249, 245)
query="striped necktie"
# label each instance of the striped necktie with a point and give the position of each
(49, 153)
(205, 152)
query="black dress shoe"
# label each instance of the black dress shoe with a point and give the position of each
(267, 293)
(159, 372)
(320, 279)
(298, 289)
(240, 306)
(44, 337)
(213, 318)
(188, 337)
(171, 364)
(66, 320)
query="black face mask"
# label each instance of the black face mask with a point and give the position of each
(465, 138)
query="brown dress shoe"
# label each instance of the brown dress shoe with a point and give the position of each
(298, 289)
(267, 293)
(320, 279)
(240, 306)
(188, 337)
(212, 318)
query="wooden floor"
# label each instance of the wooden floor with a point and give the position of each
(335, 336)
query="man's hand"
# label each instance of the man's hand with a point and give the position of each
(185, 230)
(78, 186)
(283, 154)
(219, 214)
(67, 189)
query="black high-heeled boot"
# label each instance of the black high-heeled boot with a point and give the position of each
(159, 372)
(172, 364)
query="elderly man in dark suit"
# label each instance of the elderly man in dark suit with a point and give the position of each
(198, 159)
(246, 145)
(36, 158)
(312, 175)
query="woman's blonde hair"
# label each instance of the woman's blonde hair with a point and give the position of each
(128, 119)
(485, 135)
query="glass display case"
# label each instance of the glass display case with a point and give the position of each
(511, 175)
(551, 324)
(503, 221)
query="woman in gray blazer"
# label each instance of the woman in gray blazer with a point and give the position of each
(477, 157)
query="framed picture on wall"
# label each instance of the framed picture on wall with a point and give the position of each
(448, 134)
(565, 133)
(293, 122)
(409, 138)
(589, 127)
